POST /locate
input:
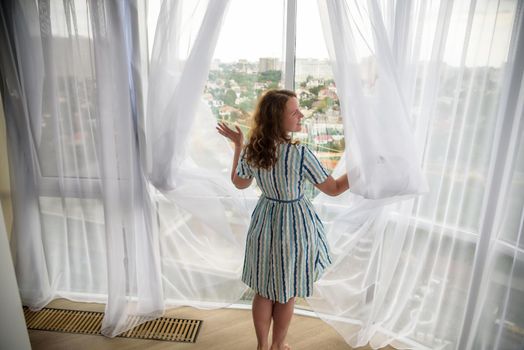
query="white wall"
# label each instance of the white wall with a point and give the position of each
(13, 331)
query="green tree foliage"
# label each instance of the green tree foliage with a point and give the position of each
(307, 103)
(321, 106)
(314, 90)
(229, 98)
(243, 79)
(273, 76)
(247, 106)
(273, 85)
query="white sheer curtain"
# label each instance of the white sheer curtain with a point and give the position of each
(202, 218)
(82, 217)
(381, 157)
(89, 226)
(409, 274)
(179, 69)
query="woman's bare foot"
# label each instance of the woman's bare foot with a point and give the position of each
(282, 347)
(262, 347)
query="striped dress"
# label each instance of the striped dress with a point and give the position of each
(286, 247)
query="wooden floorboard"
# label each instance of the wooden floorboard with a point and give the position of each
(222, 329)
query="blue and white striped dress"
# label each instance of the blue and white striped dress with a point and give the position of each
(286, 247)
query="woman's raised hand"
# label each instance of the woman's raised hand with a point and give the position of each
(236, 136)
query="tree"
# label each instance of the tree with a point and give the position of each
(273, 85)
(307, 103)
(246, 106)
(230, 98)
(271, 75)
(316, 89)
(321, 106)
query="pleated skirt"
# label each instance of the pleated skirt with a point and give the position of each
(286, 249)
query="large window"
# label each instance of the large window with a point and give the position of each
(249, 61)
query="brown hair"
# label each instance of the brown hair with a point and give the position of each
(267, 130)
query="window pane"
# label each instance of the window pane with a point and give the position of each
(247, 59)
(322, 131)
(67, 146)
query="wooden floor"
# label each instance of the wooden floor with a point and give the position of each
(230, 329)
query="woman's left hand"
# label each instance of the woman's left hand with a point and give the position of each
(236, 136)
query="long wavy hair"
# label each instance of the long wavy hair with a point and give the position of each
(267, 130)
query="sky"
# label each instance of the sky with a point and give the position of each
(255, 28)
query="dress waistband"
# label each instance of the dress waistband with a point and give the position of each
(285, 200)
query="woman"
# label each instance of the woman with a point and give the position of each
(286, 248)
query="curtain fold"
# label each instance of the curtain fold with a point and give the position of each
(22, 103)
(135, 292)
(176, 83)
(201, 217)
(381, 156)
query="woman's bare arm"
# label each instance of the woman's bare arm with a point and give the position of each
(237, 137)
(237, 180)
(334, 187)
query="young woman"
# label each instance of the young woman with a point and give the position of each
(286, 247)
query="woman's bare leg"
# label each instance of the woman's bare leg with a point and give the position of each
(282, 314)
(262, 310)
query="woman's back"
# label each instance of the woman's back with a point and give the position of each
(285, 180)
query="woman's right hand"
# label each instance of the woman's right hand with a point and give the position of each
(236, 136)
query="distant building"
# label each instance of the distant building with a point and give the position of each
(314, 83)
(304, 94)
(242, 66)
(217, 103)
(259, 86)
(325, 92)
(323, 139)
(268, 63)
(242, 99)
(320, 128)
(227, 111)
(318, 69)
